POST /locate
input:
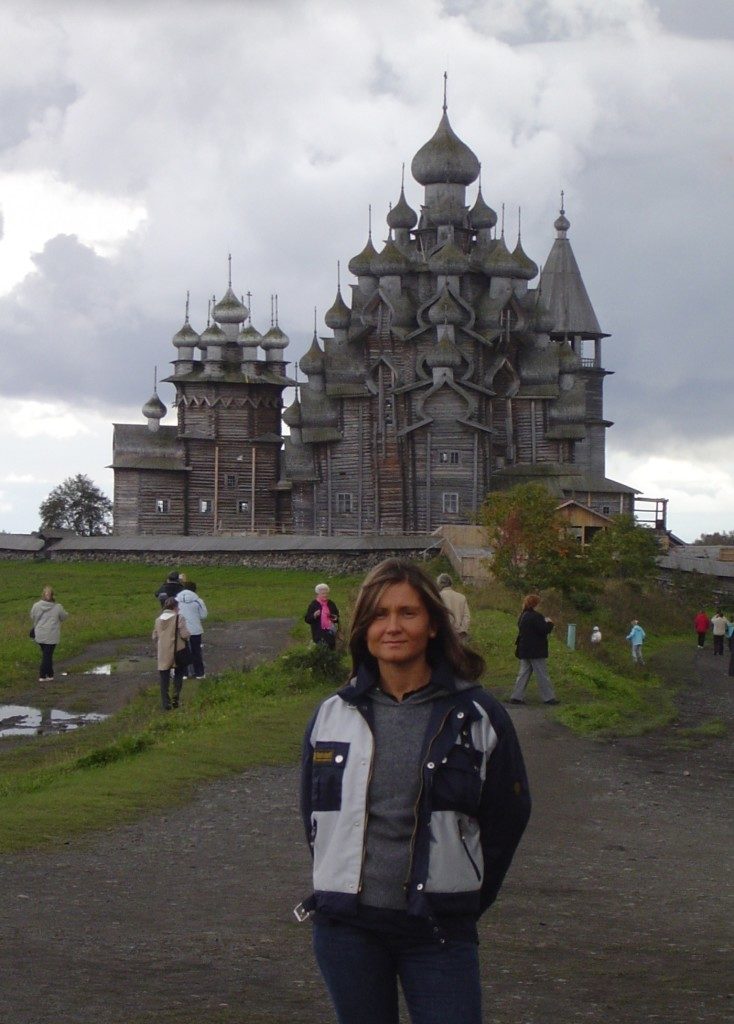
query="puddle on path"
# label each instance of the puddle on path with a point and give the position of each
(18, 720)
(121, 665)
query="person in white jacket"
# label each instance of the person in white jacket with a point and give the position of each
(47, 616)
(457, 605)
(192, 610)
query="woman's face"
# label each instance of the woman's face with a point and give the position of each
(401, 628)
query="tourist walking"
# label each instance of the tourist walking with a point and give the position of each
(322, 615)
(701, 624)
(47, 616)
(531, 647)
(719, 626)
(457, 605)
(636, 637)
(172, 587)
(193, 610)
(171, 633)
(414, 798)
(595, 636)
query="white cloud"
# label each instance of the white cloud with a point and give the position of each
(36, 207)
(266, 129)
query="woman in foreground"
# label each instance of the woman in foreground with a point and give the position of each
(414, 798)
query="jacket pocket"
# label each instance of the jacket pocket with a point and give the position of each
(457, 782)
(327, 775)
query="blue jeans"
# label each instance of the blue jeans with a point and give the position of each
(361, 969)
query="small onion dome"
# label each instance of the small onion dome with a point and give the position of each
(249, 336)
(403, 310)
(562, 224)
(274, 339)
(527, 269)
(213, 335)
(361, 264)
(444, 353)
(446, 310)
(186, 337)
(312, 363)
(229, 309)
(340, 315)
(445, 159)
(292, 415)
(499, 262)
(402, 215)
(390, 262)
(543, 321)
(154, 409)
(449, 260)
(481, 215)
(569, 361)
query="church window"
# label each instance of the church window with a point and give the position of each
(344, 502)
(450, 501)
(449, 458)
(162, 505)
(205, 505)
(388, 411)
(606, 510)
(230, 480)
(243, 506)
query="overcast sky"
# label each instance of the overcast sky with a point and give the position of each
(140, 143)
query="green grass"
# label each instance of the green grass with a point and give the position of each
(141, 759)
(111, 601)
(138, 761)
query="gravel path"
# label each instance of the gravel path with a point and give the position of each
(618, 907)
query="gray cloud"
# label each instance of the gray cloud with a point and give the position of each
(265, 130)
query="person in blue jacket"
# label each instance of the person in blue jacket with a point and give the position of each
(414, 798)
(636, 637)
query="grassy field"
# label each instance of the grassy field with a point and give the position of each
(54, 786)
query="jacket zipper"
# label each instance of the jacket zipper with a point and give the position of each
(473, 863)
(360, 884)
(420, 796)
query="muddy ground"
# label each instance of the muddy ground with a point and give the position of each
(618, 906)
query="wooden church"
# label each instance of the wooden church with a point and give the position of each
(454, 371)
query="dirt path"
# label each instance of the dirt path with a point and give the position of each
(617, 908)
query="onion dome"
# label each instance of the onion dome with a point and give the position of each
(543, 321)
(449, 259)
(526, 268)
(229, 309)
(499, 262)
(249, 336)
(274, 339)
(481, 215)
(446, 310)
(213, 335)
(340, 315)
(361, 264)
(569, 361)
(402, 215)
(292, 415)
(186, 337)
(154, 409)
(403, 310)
(444, 354)
(562, 224)
(445, 159)
(312, 363)
(390, 262)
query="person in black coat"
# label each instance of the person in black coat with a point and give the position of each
(171, 588)
(322, 615)
(531, 647)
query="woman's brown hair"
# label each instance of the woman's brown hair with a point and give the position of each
(530, 602)
(445, 646)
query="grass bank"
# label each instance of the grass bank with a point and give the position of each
(139, 760)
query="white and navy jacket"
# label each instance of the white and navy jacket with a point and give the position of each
(472, 809)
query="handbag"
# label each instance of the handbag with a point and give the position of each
(182, 658)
